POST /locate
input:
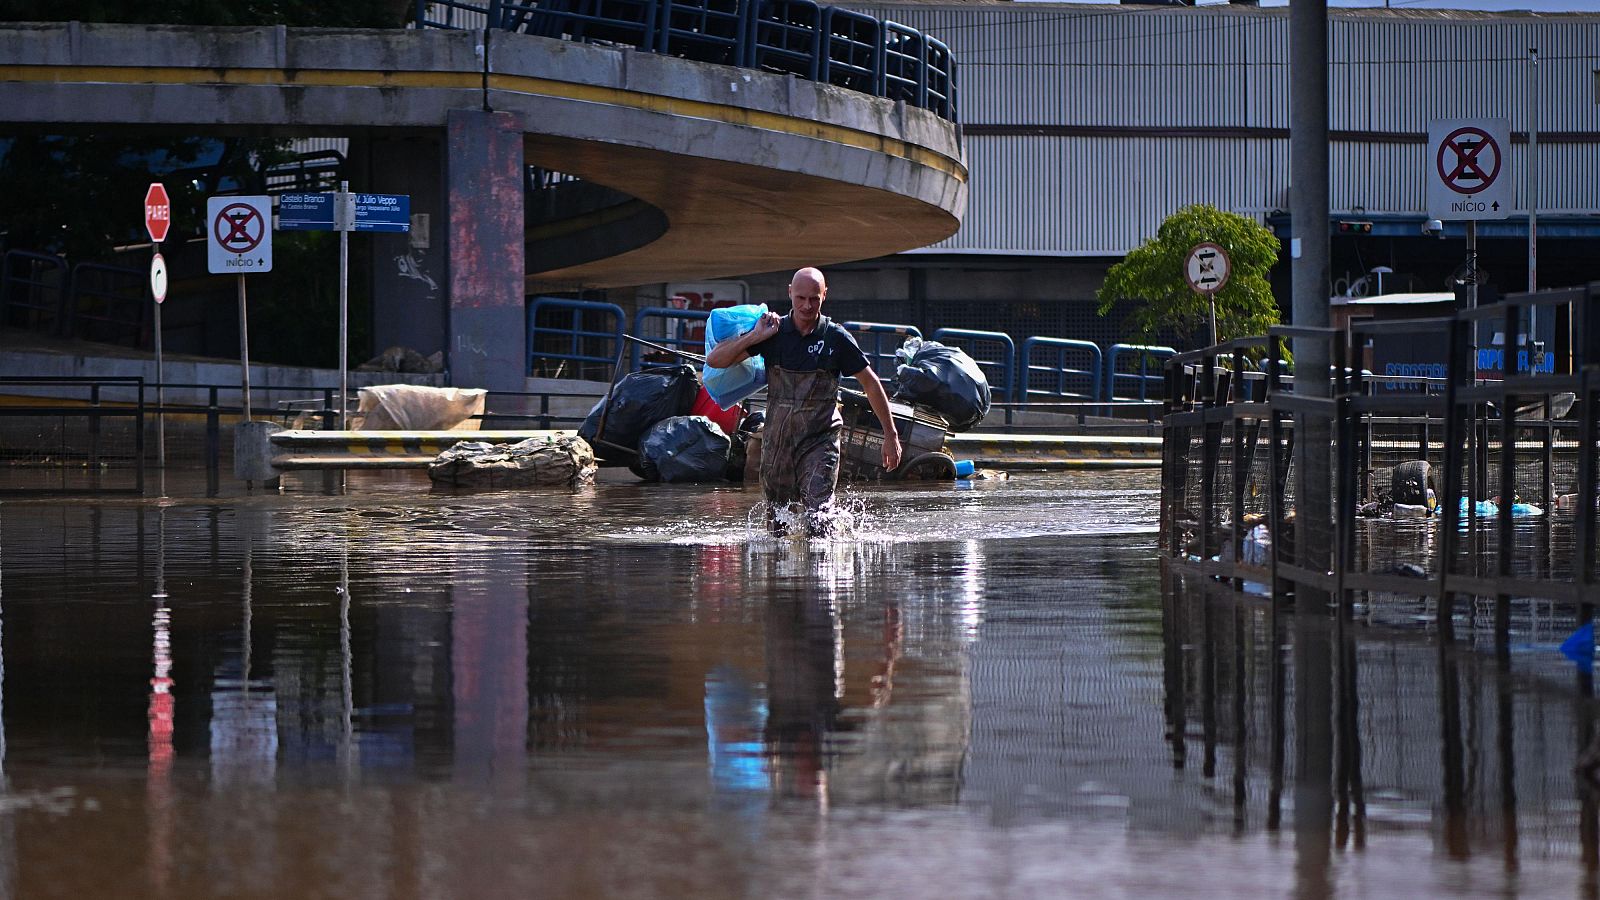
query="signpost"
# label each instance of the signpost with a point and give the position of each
(344, 212)
(239, 242)
(1467, 180)
(1207, 268)
(157, 221)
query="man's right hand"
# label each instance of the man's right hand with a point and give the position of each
(766, 326)
(731, 352)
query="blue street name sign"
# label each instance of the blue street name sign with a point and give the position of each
(305, 212)
(315, 212)
(383, 212)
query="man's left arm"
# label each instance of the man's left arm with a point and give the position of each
(880, 405)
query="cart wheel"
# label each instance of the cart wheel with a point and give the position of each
(935, 466)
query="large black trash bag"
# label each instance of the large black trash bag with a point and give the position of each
(684, 448)
(947, 381)
(640, 400)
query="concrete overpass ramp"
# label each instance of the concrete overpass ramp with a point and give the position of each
(722, 170)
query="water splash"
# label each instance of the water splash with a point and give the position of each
(846, 519)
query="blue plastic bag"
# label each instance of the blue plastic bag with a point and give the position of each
(736, 382)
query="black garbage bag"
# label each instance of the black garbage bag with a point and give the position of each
(947, 381)
(640, 400)
(684, 448)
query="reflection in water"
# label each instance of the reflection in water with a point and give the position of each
(161, 715)
(804, 690)
(1389, 737)
(244, 709)
(990, 693)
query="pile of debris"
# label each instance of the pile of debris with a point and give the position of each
(555, 461)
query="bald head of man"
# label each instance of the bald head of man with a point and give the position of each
(807, 289)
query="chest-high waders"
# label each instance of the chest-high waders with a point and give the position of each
(800, 446)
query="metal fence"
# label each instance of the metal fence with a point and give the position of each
(580, 338)
(799, 37)
(77, 443)
(1457, 489)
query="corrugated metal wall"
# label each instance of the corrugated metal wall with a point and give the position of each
(1082, 73)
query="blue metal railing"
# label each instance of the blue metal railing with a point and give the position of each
(1065, 369)
(852, 55)
(1142, 379)
(872, 335)
(850, 49)
(574, 340)
(905, 64)
(981, 346)
(678, 331)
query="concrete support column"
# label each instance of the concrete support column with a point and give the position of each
(484, 198)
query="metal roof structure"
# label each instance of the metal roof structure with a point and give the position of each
(1086, 125)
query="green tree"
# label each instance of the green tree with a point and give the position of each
(1153, 276)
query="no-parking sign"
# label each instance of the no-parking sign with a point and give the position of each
(1468, 169)
(239, 235)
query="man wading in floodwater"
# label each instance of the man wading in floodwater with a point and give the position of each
(805, 354)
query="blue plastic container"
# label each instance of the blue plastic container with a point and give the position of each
(965, 468)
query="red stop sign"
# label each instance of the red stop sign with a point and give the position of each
(157, 212)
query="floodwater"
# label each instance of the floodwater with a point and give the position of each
(628, 691)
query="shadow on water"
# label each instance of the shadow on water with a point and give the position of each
(983, 691)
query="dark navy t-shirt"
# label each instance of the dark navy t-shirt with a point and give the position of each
(828, 347)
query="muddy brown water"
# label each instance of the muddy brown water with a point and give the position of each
(629, 692)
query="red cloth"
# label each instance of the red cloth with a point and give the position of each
(726, 419)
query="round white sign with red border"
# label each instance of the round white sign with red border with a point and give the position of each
(1207, 267)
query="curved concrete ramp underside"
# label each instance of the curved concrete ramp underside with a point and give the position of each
(752, 171)
(730, 219)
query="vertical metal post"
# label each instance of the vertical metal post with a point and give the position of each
(1505, 535)
(344, 212)
(1308, 196)
(1472, 273)
(1239, 465)
(161, 415)
(94, 428)
(1454, 435)
(1275, 475)
(1208, 455)
(244, 349)
(1533, 178)
(213, 443)
(138, 441)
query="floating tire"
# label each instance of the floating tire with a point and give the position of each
(1410, 481)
